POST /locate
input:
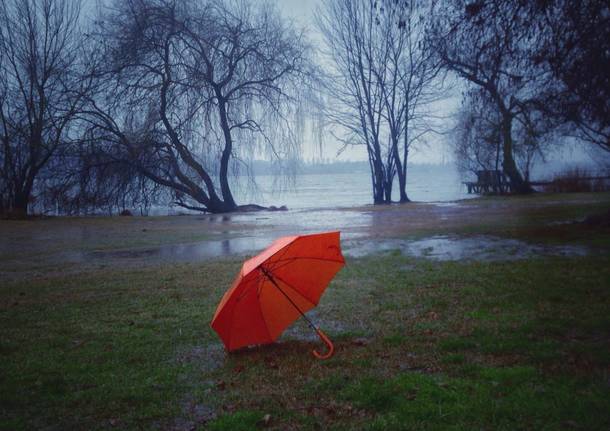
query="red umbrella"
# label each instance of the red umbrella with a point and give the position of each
(276, 287)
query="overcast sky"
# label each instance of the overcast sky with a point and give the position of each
(436, 150)
(302, 11)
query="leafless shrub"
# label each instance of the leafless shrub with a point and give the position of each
(577, 180)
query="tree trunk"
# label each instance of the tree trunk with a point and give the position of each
(388, 190)
(19, 207)
(401, 165)
(402, 183)
(401, 170)
(227, 196)
(378, 186)
(216, 206)
(519, 185)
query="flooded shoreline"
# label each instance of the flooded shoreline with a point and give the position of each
(438, 248)
(478, 229)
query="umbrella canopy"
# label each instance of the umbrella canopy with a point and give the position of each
(276, 287)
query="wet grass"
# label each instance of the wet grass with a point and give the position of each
(546, 217)
(41, 238)
(101, 348)
(521, 344)
(542, 218)
(420, 345)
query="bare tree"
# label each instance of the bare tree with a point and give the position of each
(412, 79)
(380, 81)
(354, 89)
(478, 144)
(40, 91)
(82, 179)
(487, 44)
(572, 48)
(478, 134)
(189, 86)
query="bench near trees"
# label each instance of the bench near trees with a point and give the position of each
(489, 182)
(496, 182)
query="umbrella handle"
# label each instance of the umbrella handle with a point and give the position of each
(329, 344)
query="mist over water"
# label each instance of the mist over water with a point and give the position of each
(425, 183)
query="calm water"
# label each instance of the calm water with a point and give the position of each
(424, 184)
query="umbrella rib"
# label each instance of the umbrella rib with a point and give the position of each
(272, 279)
(284, 250)
(284, 263)
(294, 290)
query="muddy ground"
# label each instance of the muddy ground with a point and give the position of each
(479, 229)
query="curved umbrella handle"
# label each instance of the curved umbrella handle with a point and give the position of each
(329, 344)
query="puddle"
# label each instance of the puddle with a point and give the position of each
(444, 248)
(356, 226)
(191, 252)
(440, 248)
(308, 221)
(445, 204)
(208, 358)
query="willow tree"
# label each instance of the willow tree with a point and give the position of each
(487, 43)
(478, 143)
(185, 88)
(40, 92)
(573, 48)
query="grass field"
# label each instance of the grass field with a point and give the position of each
(521, 344)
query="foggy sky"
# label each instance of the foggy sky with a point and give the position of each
(436, 150)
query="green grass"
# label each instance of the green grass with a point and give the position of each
(104, 345)
(507, 398)
(447, 345)
(521, 344)
(238, 421)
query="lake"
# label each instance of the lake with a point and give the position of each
(425, 183)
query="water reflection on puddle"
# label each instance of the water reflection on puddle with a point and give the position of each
(355, 226)
(440, 248)
(482, 248)
(192, 252)
(307, 221)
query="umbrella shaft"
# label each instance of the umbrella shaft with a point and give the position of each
(270, 277)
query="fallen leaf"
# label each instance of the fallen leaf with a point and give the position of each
(360, 342)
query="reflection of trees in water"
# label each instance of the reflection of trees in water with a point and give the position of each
(225, 245)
